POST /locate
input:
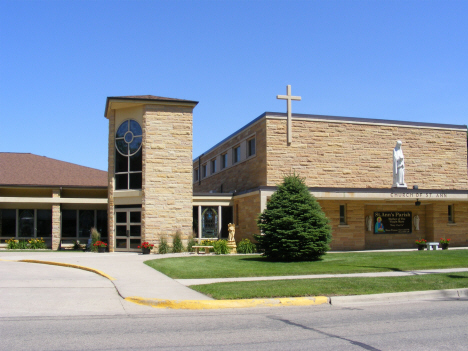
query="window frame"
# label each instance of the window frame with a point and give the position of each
(343, 217)
(204, 171)
(196, 175)
(224, 160)
(35, 223)
(131, 175)
(236, 154)
(213, 166)
(251, 142)
(451, 214)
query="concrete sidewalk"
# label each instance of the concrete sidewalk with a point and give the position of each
(131, 276)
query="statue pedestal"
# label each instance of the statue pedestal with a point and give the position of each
(232, 247)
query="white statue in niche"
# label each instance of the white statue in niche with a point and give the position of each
(416, 222)
(369, 223)
(398, 167)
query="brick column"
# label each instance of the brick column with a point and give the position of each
(56, 236)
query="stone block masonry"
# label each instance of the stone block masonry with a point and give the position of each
(247, 174)
(352, 155)
(167, 172)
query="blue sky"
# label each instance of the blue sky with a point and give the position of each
(59, 60)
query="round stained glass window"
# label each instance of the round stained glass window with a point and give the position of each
(128, 138)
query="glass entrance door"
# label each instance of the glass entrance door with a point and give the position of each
(127, 229)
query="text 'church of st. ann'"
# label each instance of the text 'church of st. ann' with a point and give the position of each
(382, 183)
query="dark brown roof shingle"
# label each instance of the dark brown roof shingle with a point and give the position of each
(22, 169)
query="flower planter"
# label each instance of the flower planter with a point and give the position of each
(101, 249)
(145, 251)
(445, 246)
(421, 247)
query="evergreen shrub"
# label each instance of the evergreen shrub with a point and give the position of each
(191, 242)
(163, 246)
(294, 226)
(177, 245)
(245, 246)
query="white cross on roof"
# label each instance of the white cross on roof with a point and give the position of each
(288, 97)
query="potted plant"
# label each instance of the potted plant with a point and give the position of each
(101, 246)
(146, 248)
(421, 243)
(444, 243)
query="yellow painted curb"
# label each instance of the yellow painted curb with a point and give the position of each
(220, 304)
(71, 266)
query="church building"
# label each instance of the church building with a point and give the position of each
(382, 183)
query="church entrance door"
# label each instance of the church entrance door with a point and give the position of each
(127, 229)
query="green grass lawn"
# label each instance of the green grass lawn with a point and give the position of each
(332, 286)
(333, 263)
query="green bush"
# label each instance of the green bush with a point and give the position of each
(294, 226)
(177, 245)
(23, 245)
(246, 247)
(12, 244)
(190, 244)
(163, 246)
(220, 247)
(36, 244)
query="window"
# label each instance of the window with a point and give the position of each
(251, 147)
(224, 161)
(236, 154)
(8, 223)
(343, 215)
(128, 156)
(213, 166)
(451, 217)
(78, 223)
(195, 175)
(21, 223)
(203, 171)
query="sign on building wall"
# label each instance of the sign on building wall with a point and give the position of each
(393, 222)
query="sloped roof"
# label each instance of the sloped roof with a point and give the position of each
(22, 169)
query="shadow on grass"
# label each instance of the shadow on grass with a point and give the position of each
(456, 276)
(387, 268)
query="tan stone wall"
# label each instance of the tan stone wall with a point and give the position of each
(350, 236)
(247, 174)
(246, 211)
(361, 155)
(56, 228)
(110, 193)
(167, 172)
(457, 232)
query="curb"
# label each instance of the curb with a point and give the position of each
(70, 266)
(429, 295)
(223, 304)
